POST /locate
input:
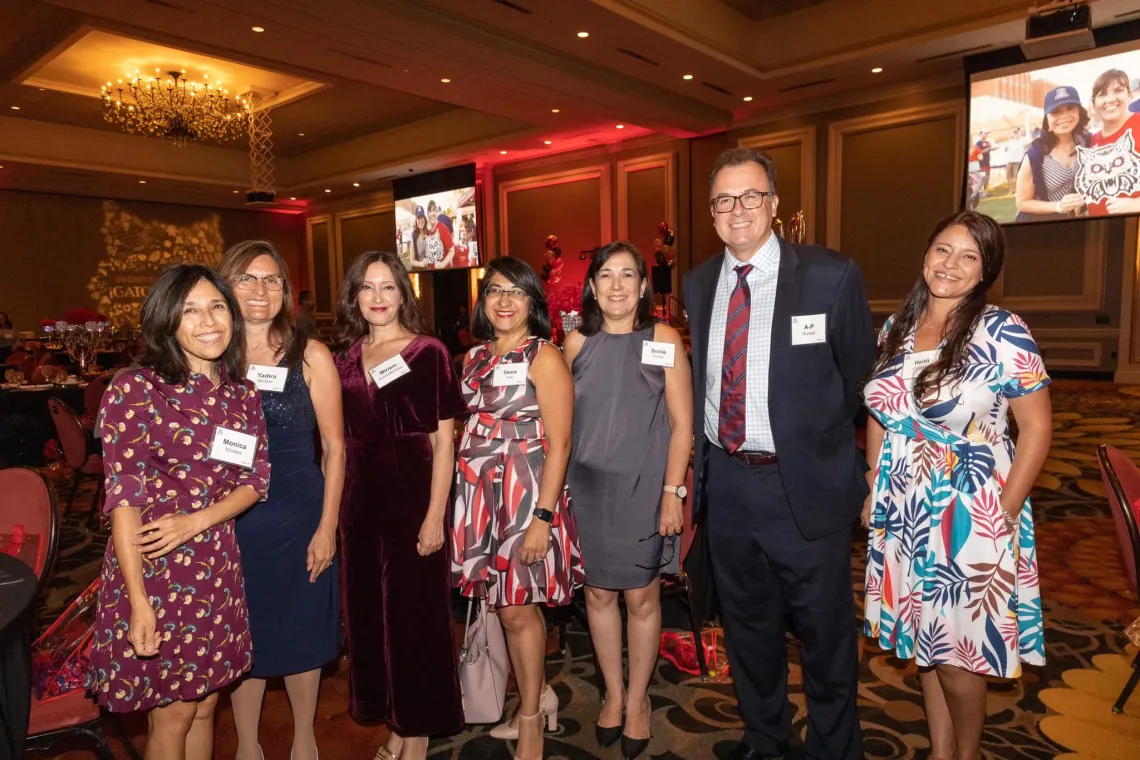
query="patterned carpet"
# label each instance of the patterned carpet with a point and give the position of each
(1060, 710)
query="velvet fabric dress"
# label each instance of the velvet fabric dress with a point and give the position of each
(397, 605)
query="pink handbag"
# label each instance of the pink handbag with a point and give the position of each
(483, 666)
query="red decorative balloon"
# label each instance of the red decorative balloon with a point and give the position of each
(551, 242)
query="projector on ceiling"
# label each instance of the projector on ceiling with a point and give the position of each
(260, 198)
(1057, 28)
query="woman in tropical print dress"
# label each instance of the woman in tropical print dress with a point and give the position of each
(171, 626)
(952, 565)
(514, 539)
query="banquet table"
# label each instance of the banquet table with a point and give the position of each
(17, 597)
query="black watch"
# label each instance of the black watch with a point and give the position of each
(543, 514)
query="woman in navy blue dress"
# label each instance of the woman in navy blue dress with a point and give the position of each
(288, 542)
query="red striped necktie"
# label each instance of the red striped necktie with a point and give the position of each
(733, 383)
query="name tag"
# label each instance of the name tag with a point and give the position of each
(387, 371)
(268, 378)
(808, 329)
(657, 353)
(233, 447)
(510, 373)
(915, 363)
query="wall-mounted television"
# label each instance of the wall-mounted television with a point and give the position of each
(1056, 139)
(437, 221)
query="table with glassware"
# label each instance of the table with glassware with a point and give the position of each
(17, 604)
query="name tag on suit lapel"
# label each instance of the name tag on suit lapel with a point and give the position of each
(809, 329)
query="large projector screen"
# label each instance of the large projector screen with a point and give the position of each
(1056, 139)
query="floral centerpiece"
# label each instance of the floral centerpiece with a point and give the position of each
(565, 305)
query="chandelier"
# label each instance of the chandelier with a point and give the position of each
(175, 109)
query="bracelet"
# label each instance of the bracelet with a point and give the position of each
(1059, 211)
(1012, 522)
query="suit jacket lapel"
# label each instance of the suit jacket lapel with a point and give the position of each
(707, 276)
(787, 305)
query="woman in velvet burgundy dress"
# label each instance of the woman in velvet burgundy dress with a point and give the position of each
(400, 397)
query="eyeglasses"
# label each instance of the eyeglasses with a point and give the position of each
(247, 281)
(723, 204)
(515, 294)
(672, 543)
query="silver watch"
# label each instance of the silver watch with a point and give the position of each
(680, 491)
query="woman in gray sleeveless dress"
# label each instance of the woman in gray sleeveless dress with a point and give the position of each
(633, 434)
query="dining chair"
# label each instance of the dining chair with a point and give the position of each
(1122, 484)
(93, 397)
(76, 451)
(28, 500)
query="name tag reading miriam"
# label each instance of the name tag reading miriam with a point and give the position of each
(657, 353)
(387, 371)
(233, 447)
(268, 378)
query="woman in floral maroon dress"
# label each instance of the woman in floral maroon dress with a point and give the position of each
(184, 446)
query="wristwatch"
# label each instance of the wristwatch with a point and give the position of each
(543, 514)
(680, 491)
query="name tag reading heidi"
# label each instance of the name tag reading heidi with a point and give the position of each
(808, 329)
(657, 353)
(268, 378)
(387, 371)
(510, 373)
(233, 447)
(915, 363)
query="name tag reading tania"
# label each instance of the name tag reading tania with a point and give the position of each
(233, 447)
(657, 353)
(510, 373)
(388, 370)
(268, 378)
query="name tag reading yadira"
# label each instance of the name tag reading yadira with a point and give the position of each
(387, 371)
(233, 447)
(657, 353)
(808, 329)
(510, 373)
(268, 378)
(916, 363)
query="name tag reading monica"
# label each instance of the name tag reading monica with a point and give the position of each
(657, 353)
(233, 447)
(268, 378)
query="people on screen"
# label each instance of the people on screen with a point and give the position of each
(951, 564)
(1045, 181)
(1109, 173)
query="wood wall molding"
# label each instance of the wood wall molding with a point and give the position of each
(666, 161)
(1091, 297)
(1093, 349)
(326, 220)
(600, 173)
(838, 130)
(806, 139)
(336, 265)
(1128, 345)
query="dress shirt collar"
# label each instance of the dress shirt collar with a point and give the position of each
(766, 259)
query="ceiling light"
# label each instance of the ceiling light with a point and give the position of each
(502, 153)
(620, 126)
(300, 134)
(15, 108)
(258, 29)
(546, 142)
(445, 80)
(142, 181)
(356, 184)
(175, 109)
(687, 76)
(747, 98)
(583, 35)
(292, 197)
(236, 192)
(877, 70)
(555, 110)
(327, 190)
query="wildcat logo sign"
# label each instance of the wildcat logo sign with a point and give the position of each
(137, 250)
(1109, 171)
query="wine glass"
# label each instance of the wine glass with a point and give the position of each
(18, 377)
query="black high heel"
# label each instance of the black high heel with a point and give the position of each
(631, 748)
(607, 735)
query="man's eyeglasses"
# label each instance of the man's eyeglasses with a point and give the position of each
(247, 281)
(723, 204)
(515, 294)
(671, 542)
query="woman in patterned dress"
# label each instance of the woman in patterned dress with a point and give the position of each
(171, 627)
(514, 540)
(952, 564)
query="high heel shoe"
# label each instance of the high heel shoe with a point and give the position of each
(528, 718)
(607, 735)
(547, 706)
(631, 748)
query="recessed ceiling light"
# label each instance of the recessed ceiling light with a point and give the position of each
(583, 35)
(445, 80)
(300, 134)
(328, 190)
(142, 181)
(687, 76)
(620, 126)
(292, 197)
(236, 192)
(258, 29)
(502, 153)
(747, 98)
(546, 142)
(555, 110)
(15, 108)
(877, 70)
(356, 184)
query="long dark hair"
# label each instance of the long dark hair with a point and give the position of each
(592, 317)
(523, 277)
(963, 318)
(284, 337)
(5, 322)
(350, 324)
(1047, 141)
(161, 317)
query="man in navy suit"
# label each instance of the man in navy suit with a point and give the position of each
(782, 337)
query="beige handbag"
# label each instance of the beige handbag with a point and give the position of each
(483, 666)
